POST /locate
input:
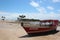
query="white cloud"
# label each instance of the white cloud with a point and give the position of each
(50, 8)
(38, 7)
(8, 15)
(50, 15)
(56, 1)
(41, 10)
(13, 16)
(34, 4)
(41, 15)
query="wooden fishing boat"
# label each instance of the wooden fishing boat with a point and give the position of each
(32, 26)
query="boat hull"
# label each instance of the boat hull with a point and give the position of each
(35, 27)
(38, 30)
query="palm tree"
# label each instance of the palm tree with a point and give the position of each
(3, 18)
(21, 17)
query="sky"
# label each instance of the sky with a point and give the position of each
(32, 9)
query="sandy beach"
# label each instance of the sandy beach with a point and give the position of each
(14, 31)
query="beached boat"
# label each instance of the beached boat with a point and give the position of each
(32, 26)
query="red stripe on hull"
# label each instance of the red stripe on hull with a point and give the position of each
(27, 29)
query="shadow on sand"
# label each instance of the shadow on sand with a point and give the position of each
(40, 34)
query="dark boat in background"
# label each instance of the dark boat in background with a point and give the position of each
(32, 26)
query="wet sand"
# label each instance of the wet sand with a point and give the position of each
(13, 31)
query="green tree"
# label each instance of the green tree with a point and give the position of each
(20, 17)
(3, 18)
